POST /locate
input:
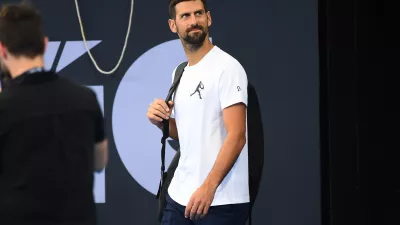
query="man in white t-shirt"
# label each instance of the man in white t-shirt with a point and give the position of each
(210, 184)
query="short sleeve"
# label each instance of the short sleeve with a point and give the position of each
(233, 85)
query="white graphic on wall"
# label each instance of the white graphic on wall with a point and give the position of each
(51, 53)
(137, 140)
(72, 51)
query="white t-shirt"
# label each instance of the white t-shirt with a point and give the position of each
(205, 89)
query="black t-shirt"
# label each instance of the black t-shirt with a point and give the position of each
(48, 129)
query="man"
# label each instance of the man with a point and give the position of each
(51, 132)
(210, 184)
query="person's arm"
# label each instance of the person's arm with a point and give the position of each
(159, 110)
(233, 99)
(235, 123)
(173, 131)
(163, 113)
(100, 155)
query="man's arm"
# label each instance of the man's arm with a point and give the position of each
(235, 123)
(232, 93)
(101, 155)
(173, 131)
(233, 99)
(101, 142)
(159, 111)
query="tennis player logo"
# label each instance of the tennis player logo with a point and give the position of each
(199, 88)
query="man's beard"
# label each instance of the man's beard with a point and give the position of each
(196, 39)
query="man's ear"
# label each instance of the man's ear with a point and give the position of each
(172, 25)
(209, 18)
(3, 51)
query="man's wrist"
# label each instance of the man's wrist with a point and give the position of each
(211, 183)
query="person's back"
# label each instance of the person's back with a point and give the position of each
(46, 150)
(49, 128)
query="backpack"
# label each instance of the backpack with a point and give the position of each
(255, 142)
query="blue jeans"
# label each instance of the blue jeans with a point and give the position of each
(235, 214)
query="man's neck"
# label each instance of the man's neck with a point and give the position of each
(22, 64)
(194, 56)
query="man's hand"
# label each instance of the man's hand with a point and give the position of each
(158, 111)
(200, 202)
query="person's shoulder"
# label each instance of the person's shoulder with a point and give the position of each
(184, 64)
(227, 60)
(77, 88)
(82, 96)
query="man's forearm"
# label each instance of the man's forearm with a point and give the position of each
(173, 131)
(227, 157)
(100, 155)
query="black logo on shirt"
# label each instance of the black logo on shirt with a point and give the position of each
(239, 89)
(199, 87)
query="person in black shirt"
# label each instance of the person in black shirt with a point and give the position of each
(52, 135)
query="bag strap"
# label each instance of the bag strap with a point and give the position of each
(177, 78)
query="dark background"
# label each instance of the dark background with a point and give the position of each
(277, 43)
(359, 175)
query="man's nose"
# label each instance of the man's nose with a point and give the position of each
(193, 20)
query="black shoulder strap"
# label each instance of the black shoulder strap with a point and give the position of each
(177, 78)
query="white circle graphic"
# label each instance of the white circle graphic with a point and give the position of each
(137, 140)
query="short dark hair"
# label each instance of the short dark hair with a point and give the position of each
(173, 3)
(21, 30)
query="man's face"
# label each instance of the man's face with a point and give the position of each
(191, 22)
